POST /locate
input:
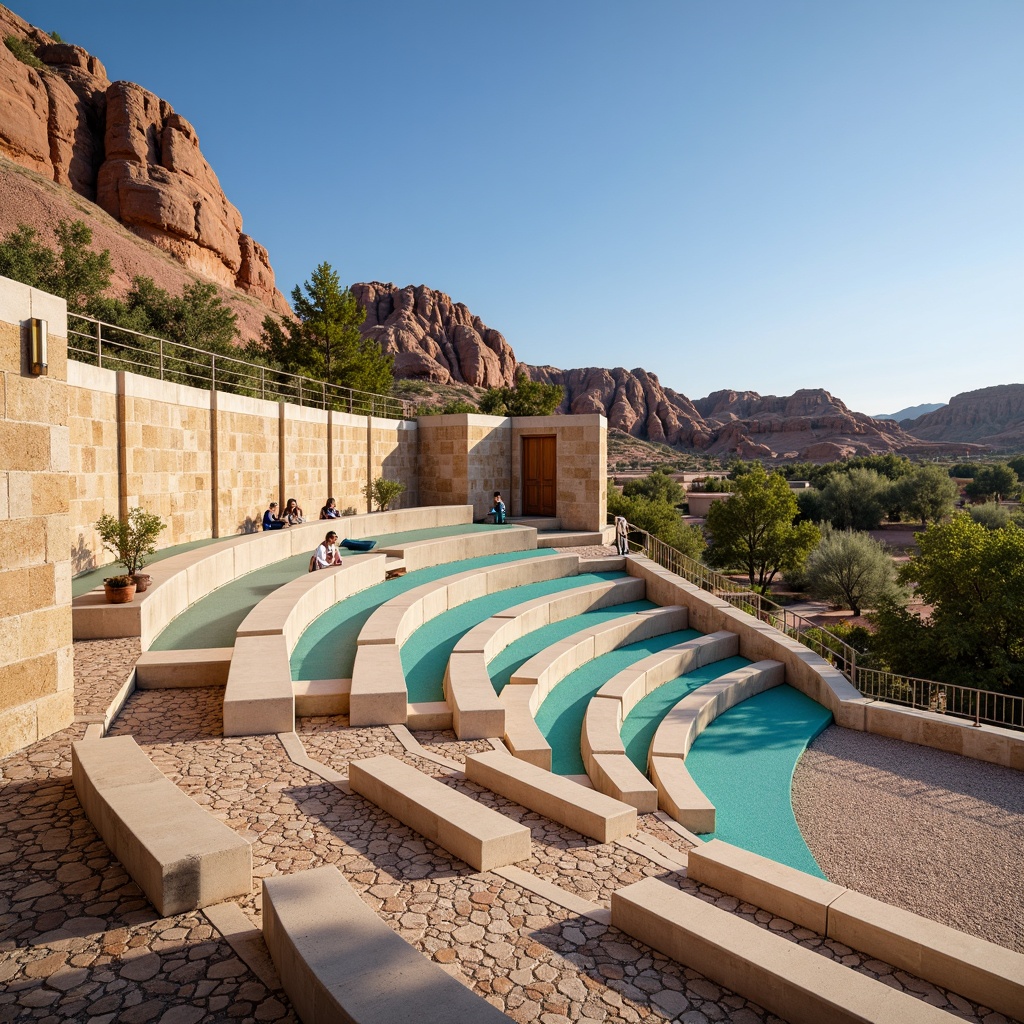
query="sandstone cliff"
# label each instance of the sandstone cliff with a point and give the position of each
(433, 338)
(120, 146)
(992, 416)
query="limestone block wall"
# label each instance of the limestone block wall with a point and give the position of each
(464, 459)
(394, 449)
(581, 455)
(36, 666)
(93, 483)
(350, 461)
(305, 463)
(247, 456)
(166, 443)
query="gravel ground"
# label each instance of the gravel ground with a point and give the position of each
(938, 834)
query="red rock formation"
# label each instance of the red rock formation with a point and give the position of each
(992, 416)
(433, 338)
(123, 147)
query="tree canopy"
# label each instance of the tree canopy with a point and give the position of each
(849, 569)
(755, 528)
(525, 398)
(992, 483)
(324, 342)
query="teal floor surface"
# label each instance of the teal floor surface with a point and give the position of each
(425, 654)
(212, 620)
(560, 717)
(326, 650)
(744, 763)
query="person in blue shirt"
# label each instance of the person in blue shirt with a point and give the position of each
(498, 511)
(270, 520)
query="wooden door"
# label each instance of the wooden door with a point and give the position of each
(539, 476)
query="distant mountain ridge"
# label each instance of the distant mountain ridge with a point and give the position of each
(989, 416)
(908, 414)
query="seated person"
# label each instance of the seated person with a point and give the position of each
(327, 554)
(330, 510)
(498, 510)
(271, 520)
(293, 515)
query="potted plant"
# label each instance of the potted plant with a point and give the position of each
(131, 539)
(119, 589)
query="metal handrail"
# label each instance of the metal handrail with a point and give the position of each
(980, 706)
(152, 356)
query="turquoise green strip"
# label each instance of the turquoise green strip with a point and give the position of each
(212, 620)
(744, 763)
(642, 722)
(560, 717)
(425, 654)
(326, 650)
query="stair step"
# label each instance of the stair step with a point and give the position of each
(568, 539)
(537, 522)
(321, 697)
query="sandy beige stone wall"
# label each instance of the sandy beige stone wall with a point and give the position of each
(394, 451)
(92, 427)
(305, 465)
(168, 464)
(581, 456)
(247, 453)
(36, 677)
(350, 461)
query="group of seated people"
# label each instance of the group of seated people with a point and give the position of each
(293, 514)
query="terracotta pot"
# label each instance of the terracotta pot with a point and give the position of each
(142, 582)
(119, 595)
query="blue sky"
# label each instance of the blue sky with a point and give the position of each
(747, 195)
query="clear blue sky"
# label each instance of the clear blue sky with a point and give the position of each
(751, 195)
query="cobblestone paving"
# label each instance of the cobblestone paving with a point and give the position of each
(101, 667)
(79, 942)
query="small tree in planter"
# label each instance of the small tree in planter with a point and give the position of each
(382, 492)
(131, 539)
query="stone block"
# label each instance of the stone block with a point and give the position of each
(429, 715)
(588, 811)
(522, 736)
(328, 947)
(17, 725)
(680, 796)
(616, 776)
(481, 837)
(321, 697)
(200, 666)
(794, 983)
(476, 711)
(258, 698)
(601, 727)
(379, 695)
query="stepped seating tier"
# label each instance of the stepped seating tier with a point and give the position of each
(604, 754)
(588, 812)
(534, 680)
(181, 580)
(797, 984)
(340, 963)
(181, 856)
(980, 970)
(481, 837)
(477, 712)
(379, 695)
(678, 794)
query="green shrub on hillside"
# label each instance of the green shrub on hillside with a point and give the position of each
(24, 51)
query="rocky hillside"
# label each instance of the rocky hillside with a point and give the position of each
(433, 338)
(121, 147)
(991, 416)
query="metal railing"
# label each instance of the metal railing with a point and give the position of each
(980, 706)
(118, 348)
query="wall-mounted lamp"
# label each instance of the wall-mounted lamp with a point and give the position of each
(37, 351)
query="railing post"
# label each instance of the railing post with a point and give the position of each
(161, 358)
(263, 382)
(213, 372)
(853, 666)
(300, 392)
(99, 345)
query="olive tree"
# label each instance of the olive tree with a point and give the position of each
(849, 569)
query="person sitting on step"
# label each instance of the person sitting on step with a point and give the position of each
(327, 554)
(271, 521)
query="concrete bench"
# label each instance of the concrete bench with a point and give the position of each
(588, 812)
(534, 680)
(797, 984)
(476, 711)
(379, 695)
(481, 837)
(340, 963)
(678, 794)
(419, 554)
(179, 854)
(604, 754)
(199, 666)
(969, 966)
(183, 579)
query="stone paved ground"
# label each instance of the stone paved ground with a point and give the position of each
(101, 668)
(79, 942)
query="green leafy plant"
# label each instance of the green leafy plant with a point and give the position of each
(525, 398)
(119, 582)
(24, 51)
(132, 539)
(382, 492)
(349, 510)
